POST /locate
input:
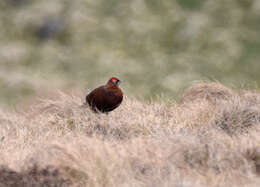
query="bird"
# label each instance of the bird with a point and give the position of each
(105, 98)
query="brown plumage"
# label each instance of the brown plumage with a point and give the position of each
(105, 98)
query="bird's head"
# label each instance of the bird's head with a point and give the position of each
(114, 81)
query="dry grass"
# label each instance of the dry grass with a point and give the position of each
(209, 91)
(211, 138)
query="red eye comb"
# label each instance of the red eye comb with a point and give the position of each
(113, 80)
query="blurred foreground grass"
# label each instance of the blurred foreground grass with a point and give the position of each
(155, 47)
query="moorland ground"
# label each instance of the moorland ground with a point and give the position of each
(210, 137)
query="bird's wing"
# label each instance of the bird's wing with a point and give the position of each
(97, 92)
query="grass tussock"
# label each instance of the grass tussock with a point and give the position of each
(238, 115)
(211, 138)
(209, 91)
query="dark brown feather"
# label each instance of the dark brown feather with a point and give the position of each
(105, 98)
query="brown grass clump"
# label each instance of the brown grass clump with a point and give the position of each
(61, 142)
(208, 91)
(32, 177)
(238, 115)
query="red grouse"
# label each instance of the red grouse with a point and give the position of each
(105, 98)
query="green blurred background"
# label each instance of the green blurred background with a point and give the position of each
(155, 47)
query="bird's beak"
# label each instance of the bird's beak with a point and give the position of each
(119, 82)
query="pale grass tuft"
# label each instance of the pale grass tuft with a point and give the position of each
(198, 142)
(209, 91)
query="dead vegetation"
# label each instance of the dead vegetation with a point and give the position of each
(31, 177)
(210, 91)
(210, 138)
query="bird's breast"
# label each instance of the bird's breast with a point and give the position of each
(113, 97)
(105, 98)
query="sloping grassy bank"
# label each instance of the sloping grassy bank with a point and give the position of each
(209, 138)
